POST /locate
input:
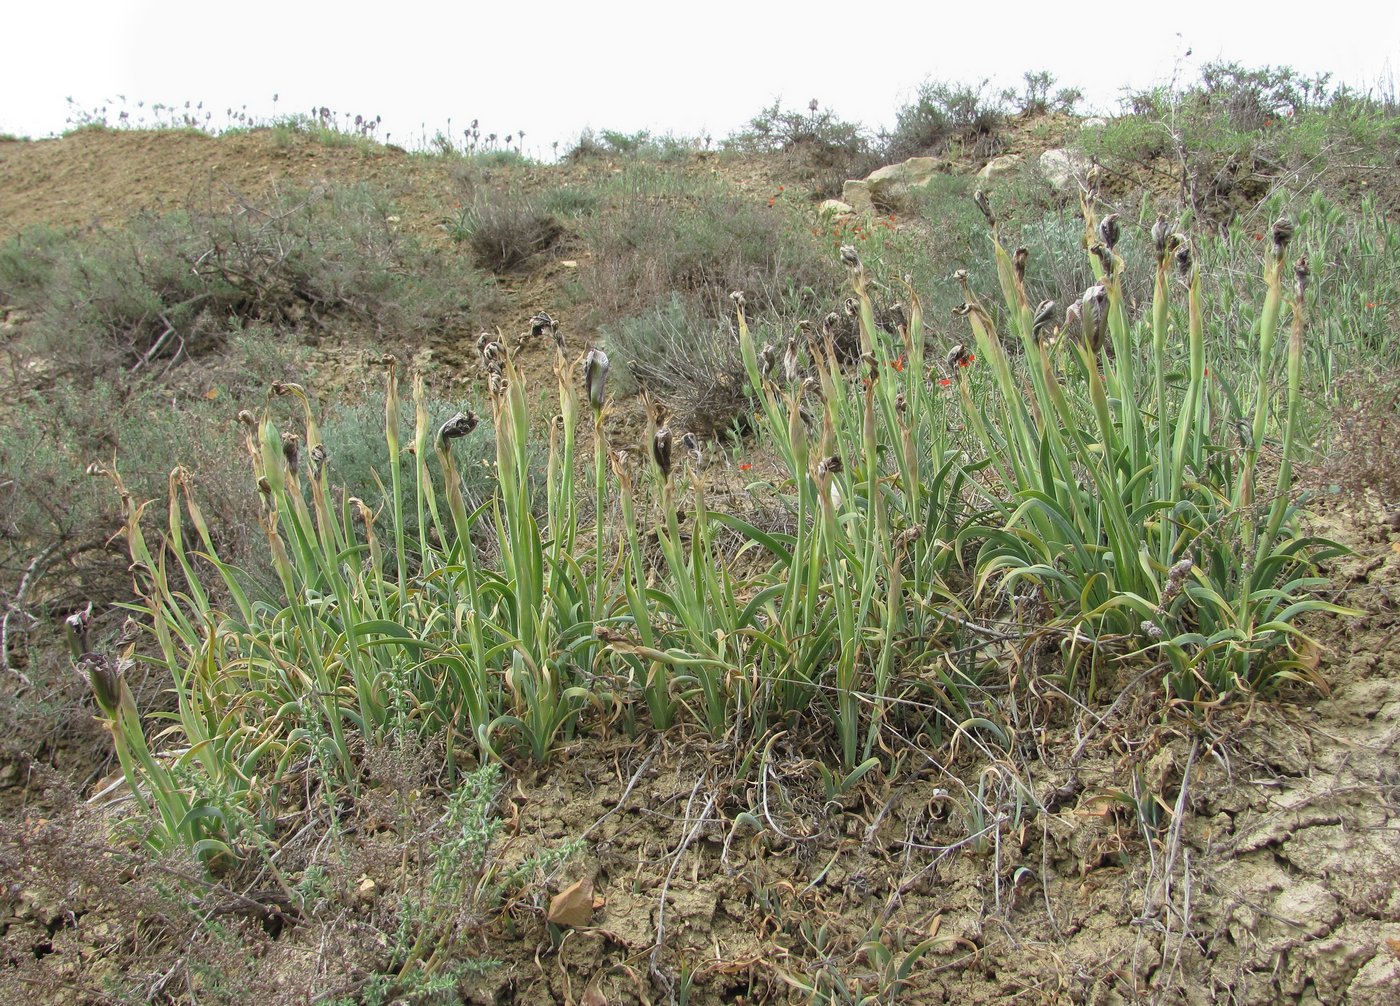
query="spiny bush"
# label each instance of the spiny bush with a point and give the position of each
(55, 549)
(942, 114)
(824, 149)
(505, 230)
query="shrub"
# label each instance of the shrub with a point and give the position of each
(165, 288)
(504, 231)
(688, 361)
(696, 237)
(823, 149)
(942, 114)
(1036, 97)
(641, 145)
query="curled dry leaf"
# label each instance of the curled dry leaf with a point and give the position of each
(573, 906)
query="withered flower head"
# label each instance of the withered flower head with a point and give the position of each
(790, 361)
(1044, 314)
(897, 316)
(1019, 261)
(871, 364)
(1282, 234)
(850, 257)
(497, 385)
(901, 405)
(812, 387)
(1095, 302)
(980, 198)
(1101, 252)
(458, 426)
(831, 321)
(595, 378)
(1159, 235)
(661, 450)
(908, 536)
(767, 359)
(692, 444)
(319, 457)
(830, 465)
(105, 676)
(542, 324)
(737, 296)
(1183, 257)
(291, 450)
(805, 328)
(1109, 231)
(959, 356)
(1300, 273)
(851, 306)
(77, 626)
(962, 310)
(248, 419)
(493, 358)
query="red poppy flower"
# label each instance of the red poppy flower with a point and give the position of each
(1258, 236)
(898, 365)
(772, 201)
(1371, 306)
(967, 361)
(745, 467)
(1207, 371)
(944, 381)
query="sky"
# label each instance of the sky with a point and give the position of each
(687, 69)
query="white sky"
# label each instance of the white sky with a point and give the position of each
(553, 68)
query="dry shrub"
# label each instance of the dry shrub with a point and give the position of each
(505, 231)
(1363, 452)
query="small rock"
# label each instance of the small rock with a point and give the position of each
(835, 208)
(1062, 167)
(1003, 165)
(367, 889)
(1094, 122)
(855, 193)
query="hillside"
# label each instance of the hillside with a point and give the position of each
(878, 635)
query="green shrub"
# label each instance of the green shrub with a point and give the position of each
(942, 114)
(688, 361)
